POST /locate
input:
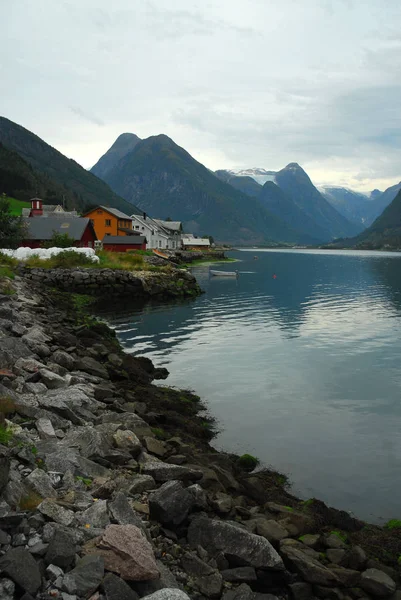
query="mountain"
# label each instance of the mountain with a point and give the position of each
(375, 194)
(328, 221)
(258, 174)
(19, 180)
(244, 184)
(385, 231)
(383, 200)
(164, 180)
(122, 146)
(81, 188)
(352, 205)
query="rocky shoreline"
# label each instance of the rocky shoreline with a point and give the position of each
(110, 490)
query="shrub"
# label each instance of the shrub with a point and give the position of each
(5, 435)
(6, 272)
(248, 462)
(65, 260)
(30, 501)
(59, 240)
(393, 524)
(159, 433)
(8, 261)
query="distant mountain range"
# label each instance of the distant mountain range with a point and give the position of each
(52, 175)
(164, 180)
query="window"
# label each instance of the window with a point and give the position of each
(108, 234)
(107, 222)
(136, 226)
(143, 228)
(160, 244)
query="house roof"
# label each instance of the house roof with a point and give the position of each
(117, 213)
(118, 240)
(172, 225)
(192, 241)
(43, 228)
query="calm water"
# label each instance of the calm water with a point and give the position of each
(301, 370)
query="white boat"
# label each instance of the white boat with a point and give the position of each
(224, 273)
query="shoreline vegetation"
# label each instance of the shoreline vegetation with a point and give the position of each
(88, 444)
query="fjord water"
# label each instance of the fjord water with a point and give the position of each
(301, 370)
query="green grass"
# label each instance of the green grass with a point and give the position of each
(393, 524)
(340, 535)
(159, 433)
(16, 206)
(248, 462)
(127, 261)
(5, 435)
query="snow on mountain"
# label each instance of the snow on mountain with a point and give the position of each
(258, 174)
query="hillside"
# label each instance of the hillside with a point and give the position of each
(385, 231)
(19, 180)
(81, 188)
(383, 200)
(244, 184)
(328, 221)
(122, 146)
(16, 206)
(163, 179)
(352, 205)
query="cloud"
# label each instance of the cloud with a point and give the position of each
(86, 116)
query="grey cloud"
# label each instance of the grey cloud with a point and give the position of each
(86, 116)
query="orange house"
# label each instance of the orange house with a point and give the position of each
(109, 221)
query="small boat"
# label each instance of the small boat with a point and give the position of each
(224, 273)
(160, 254)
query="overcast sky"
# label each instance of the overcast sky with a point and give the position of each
(237, 83)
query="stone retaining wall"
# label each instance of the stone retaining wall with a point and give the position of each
(106, 282)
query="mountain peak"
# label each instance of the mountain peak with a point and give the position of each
(124, 144)
(294, 166)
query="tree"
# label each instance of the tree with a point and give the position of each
(59, 240)
(12, 229)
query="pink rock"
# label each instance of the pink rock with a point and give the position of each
(126, 551)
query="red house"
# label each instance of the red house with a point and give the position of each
(41, 229)
(122, 243)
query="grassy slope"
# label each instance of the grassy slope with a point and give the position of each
(16, 206)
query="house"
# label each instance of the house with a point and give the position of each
(156, 234)
(40, 230)
(110, 221)
(120, 243)
(189, 242)
(38, 209)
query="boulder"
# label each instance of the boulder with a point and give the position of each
(311, 540)
(271, 530)
(141, 483)
(126, 551)
(356, 558)
(239, 575)
(19, 565)
(7, 589)
(85, 578)
(222, 503)
(52, 380)
(161, 471)
(208, 581)
(61, 549)
(96, 515)
(64, 360)
(92, 366)
(122, 513)
(40, 482)
(347, 577)
(171, 503)
(45, 429)
(56, 513)
(335, 555)
(310, 568)
(239, 546)
(115, 588)
(11, 350)
(377, 583)
(242, 592)
(155, 446)
(127, 440)
(301, 590)
(334, 541)
(167, 594)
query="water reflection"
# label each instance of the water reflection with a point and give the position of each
(301, 370)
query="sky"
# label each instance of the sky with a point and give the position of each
(237, 83)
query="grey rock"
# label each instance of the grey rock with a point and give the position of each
(62, 462)
(333, 541)
(19, 565)
(127, 440)
(52, 380)
(96, 515)
(166, 580)
(4, 472)
(45, 429)
(122, 513)
(11, 350)
(377, 583)
(7, 589)
(92, 366)
(242, 592)
(335, 555)
(164, 472)
(356, 558)
(328, 593)
(199, 496)
(86, 577)
(310, 568)
(64, 359)
(239, 575)
(36, 335)
(222, 503)
(167, 594)
(141, 483)
(301, 590)
(61, 549)
(237, 544)
(347, 577)
(88, 468)
(154, 446)
(115, 588)
(52, 572)
(177, 459)
(311, 540)
(171, 503)
(271, 530)
(28, 365)
(56, 513)
(40, 482)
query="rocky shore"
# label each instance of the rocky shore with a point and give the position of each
(110, 490)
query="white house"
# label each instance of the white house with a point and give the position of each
(157, 235)
(189, 241)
